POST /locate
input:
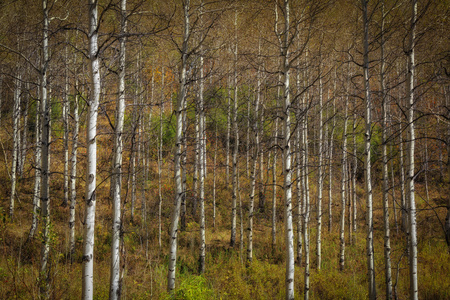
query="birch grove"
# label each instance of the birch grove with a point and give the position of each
(227, 149)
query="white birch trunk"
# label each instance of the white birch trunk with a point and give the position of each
(16, 144)
(411, 149)
(253, 173)
(227, 164)
(387, 241)
(115, 284)
(160, 160)
(330, 169)
(65, 116)
(236, 140)
(202, 155)
(91, 143)
(367, 158)
(289, 234)
(37, 174)
(24, 140)
(177, 167)
(343, 190)
(320, 179)
(73, 176)
(45, 131)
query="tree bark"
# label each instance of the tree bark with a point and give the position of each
(387, 240)
(91, 142)
(115, 284)
(236, 140)
(16, 144)
(287, 170)
(367, 158)
(73, 176)
(179, 192)
(45, 131)
(410, 153)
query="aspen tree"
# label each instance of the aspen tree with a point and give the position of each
(287, 169)
(253, 169)
(387, 241)
(160, 160)
(73, 174)
(202, 155)
(410, 154)
(91, 142)
(24, 136)
(320, 178)
(45, 131)
(298, 142)
(354, 168)
(367, 157)
(344, 191)
(115, 285)
(16, 143)
(236, 138)
(330, 166)
(179, 192)
(65, 117)
(275, 153)
(37, 174)
(305, 186)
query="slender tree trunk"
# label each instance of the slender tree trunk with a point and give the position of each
(410, 153)
(320, 179)
(91, 142)
(183, 174)
(299, 133)
(330, 169)
(179, 192)
(247, 154)
(287, 171)
(65, 116)
(24, 139)
(37, 173)
(367, 161)
(115, 284)
(387, 240)
(16, 144)
(344, 192)
(253, 172)
(202, 165)
(73, 176)
(236, 140)
(214, 178)
(160, 160)
(306, 199)
(45, 131)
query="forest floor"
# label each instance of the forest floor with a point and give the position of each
(227, 275)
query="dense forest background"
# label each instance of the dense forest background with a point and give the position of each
(195, 149)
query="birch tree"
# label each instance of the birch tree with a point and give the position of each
(115, 286)
(177, 159)
(91, 152)
(16, 143)
(45, 140)
(236, 138)
(287, 170)
(73, 173)
(410, 153)
(367, 156)
(387, 241)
